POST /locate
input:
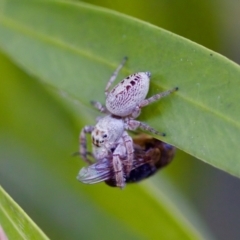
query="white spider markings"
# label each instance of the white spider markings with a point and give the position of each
(109, 137)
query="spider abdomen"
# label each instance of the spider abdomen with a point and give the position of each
(128, 94)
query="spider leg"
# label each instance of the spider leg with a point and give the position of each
(83, 143)
(99, 106)
(114, 75)
(156, 97)
(132, 124)
(128, 142)
(137, 110)
(118, 166)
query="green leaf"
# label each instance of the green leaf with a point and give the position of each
(15, 221)
(74, 48)
(77, 53)
(37, 137)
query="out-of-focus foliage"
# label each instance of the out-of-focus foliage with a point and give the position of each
(195, 20)
(15, 222)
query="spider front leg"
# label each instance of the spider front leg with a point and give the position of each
(83, 143)
(119, 153)
(132, 124)
(128, 143)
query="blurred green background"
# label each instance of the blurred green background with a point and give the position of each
(35, 133)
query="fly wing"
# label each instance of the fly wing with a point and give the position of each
(95, 173)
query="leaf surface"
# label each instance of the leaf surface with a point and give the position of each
(15, 222)
(77, 53)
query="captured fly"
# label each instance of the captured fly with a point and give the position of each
(150, 155)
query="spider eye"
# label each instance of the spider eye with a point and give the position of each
(104, 136)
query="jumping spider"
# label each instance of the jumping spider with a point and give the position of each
(150, 155)
(123, 104)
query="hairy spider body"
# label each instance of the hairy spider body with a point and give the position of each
(109, 140)
(126, 97)
(106, 135)
(109, 137)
